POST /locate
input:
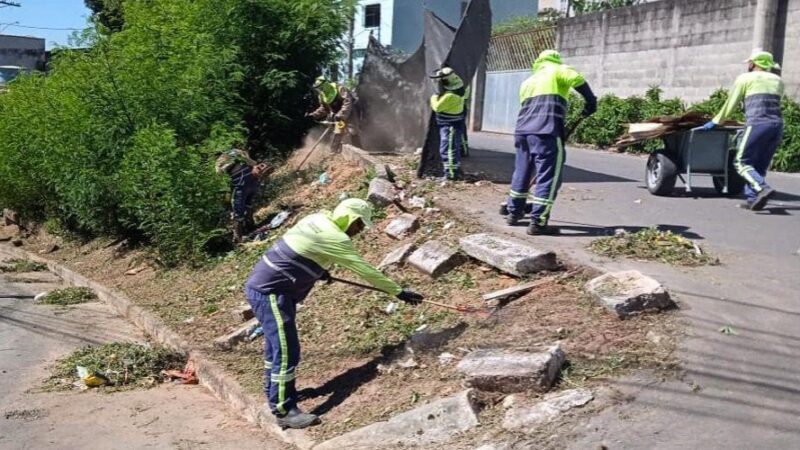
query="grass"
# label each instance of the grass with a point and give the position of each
(22, 265)
(69, 296)
(654, 245)
(125, 365)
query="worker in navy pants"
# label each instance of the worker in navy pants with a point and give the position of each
(540, 156)
(758, 147)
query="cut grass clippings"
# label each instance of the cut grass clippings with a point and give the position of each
(124, 365)
(69, 296)
(21, 266)
(654, 245)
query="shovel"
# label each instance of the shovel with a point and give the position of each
(463, 309)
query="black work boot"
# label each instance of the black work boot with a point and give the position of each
(534, 229)
(513, 219)
(762, 198)
(297, 419)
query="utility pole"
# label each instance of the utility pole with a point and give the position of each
(350, 47)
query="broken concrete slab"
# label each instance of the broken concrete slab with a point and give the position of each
(242, 313)
(496, 446)
(519, 289)
(510, 256)
(435, 259)
(396, 256)
(629, 292)
(381, 192)
(402, 225)
(527, 419)
(510, 371)
(436, 422)
(229, 340)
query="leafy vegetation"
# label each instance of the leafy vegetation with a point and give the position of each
(119, 139)
(655, 245)
(615, 113)
(21, 265)
(122, 364)
(69, 296)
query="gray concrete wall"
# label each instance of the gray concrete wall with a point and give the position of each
(688, 47)
(22, 51)
(789, 42)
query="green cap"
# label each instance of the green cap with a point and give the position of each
(351, 210)
(763, 60)
(549, 55)
(319, 82)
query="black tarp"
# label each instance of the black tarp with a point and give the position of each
(394, 94)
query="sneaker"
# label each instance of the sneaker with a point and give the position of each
(297, 419)
(535, 229)
(513, 219)
(762, 198)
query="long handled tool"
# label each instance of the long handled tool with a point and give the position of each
(316, 144)
(464, 309)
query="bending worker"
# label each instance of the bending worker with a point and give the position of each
(285, 275)
(245, 175)
(761, 91)
(448, 104)
(538, 138)
(337, 100)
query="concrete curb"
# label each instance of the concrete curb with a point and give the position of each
(211, 375)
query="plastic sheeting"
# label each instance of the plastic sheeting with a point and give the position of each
(394, 94)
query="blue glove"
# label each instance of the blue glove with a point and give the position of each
(709, 125)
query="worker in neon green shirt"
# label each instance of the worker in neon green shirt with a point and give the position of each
(761, 90)
(449, 107)
(285, 275)
(538, 138)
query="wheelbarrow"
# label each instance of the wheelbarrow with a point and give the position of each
(693, 152)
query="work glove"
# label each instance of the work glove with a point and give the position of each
(410, 297)
(326, 277)
(709, 125)
(338, 118)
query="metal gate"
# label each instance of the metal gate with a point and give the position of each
(508, 64)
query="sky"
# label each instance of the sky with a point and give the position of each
(44, 14)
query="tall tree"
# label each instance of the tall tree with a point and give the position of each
(109, 13)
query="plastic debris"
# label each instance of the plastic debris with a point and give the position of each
(620, 232)
(39, 296)
(421, 327)
(91, 379)
(391, 308)
(186, 376)
(344, 196)
(446, 358)
(408, 364)
(279, 219)
(136, 270)
(324, 178)
(255, 334)
(417, 202)
(432, 211)
(448, 225)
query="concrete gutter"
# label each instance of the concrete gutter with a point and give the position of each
(212, 376)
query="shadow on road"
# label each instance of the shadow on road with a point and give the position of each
(498, 167)
(576, 229)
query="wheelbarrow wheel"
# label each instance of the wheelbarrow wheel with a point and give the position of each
(662, 172)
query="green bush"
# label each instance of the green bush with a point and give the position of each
(120, 138)
(787, 159)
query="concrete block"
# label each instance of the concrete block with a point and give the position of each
(510, 371)
(228, 341)
(435, 258)
(510, 256)
(396, 256)
(402, 225)
(421, 427)
(527, 419)
(242, 313)
(381, 192)
(629, 292)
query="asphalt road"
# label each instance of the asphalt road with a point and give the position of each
(740, 391)
(33, 336)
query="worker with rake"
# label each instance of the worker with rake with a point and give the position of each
(539, 138)
(337, 101)
(246, 176)
(285, 275)
(761, 90)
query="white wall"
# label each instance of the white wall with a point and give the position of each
(361, 34)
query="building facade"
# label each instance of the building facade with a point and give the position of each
(399, 24)
(22, 51)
